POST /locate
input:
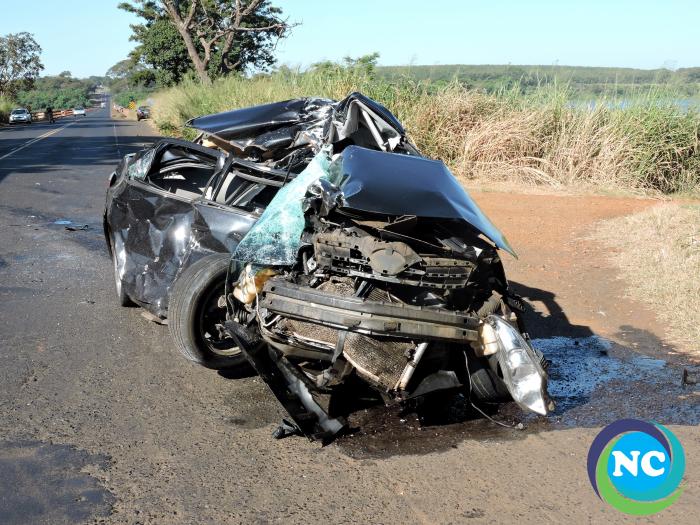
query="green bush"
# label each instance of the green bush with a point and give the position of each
(6, 105)
(58, 91)
(38, 100)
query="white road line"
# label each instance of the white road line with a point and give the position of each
(116, 140)
(36, 139)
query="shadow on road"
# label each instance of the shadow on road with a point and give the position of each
(73, 147)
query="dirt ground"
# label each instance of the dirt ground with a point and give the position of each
(567, 277)
(102, 421)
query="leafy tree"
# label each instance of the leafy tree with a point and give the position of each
(366, 63)
(60, 92)
(212, 37)
(19, 62)
(162, 50)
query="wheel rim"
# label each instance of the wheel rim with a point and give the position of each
(211, 318)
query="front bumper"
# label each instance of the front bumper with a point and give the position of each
(367, 317)
(308, 402)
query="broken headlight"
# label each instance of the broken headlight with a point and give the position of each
(522, 370)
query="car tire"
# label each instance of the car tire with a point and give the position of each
(486, 384)
(122, 298)
(194, 315)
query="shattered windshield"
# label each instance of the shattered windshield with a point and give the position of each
(276, 237)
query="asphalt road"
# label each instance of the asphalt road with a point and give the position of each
(100, 419)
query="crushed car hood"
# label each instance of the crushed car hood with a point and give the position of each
(396, 184)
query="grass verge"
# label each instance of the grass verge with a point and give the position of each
(6, 105)
(658, 253)
(647, 144)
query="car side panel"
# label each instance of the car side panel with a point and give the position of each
(163, 235)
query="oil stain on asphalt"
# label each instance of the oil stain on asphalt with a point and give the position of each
(594, 381)
(46, 483)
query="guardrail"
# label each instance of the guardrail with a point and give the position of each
(41, 115)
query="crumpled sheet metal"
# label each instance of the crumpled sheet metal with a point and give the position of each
(156, 237)
(391, 184)
(276, 238)
(291, 124)
(357, 108)
(286, 124)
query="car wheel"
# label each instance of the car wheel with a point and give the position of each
(196, 317)
(486, 384)
(117, 264)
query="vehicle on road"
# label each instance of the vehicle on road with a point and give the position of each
(143, 112)
(79, 112)
(310, 239)
(20, 115)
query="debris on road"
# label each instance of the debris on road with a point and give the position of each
(70, 225)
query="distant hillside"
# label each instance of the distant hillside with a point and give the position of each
(588, 80)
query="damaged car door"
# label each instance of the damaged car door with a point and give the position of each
(151, 215)
(174, 213)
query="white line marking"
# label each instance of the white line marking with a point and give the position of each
(116, 140)
(36, 139)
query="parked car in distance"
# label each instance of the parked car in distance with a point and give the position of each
(79, 111)
(20, 115)
(143, 112)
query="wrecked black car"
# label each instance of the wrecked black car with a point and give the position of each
(310, 239)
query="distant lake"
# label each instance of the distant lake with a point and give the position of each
(685, 104)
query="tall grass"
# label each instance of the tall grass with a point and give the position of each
(647, 144)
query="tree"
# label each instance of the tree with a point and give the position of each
(162, 50)
(19, 63)
(363, 65)
(120, 70)
(213, 37)
(130, 73)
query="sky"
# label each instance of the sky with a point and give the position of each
(86, 37)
